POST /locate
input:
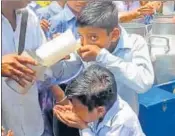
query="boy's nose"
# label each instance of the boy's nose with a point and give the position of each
(83, 41)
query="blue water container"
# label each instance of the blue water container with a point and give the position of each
(169, 86)
(157, 112)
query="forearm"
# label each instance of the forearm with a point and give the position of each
(128, 16)
(59, 95)
(157, 5)
(57, 92)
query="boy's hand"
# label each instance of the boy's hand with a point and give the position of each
(45, 25)
(89, 52)
(66, 115)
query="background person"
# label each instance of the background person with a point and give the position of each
(17, 113)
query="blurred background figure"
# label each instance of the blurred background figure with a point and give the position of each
(45, 14)
(33, 5)
(66, 19)
(142, 10)
(20, 113)
(43, 3)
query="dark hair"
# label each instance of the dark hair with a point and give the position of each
(99, 13)
(96, 86)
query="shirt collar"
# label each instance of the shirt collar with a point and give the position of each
(3, 17)
(108, 118)
(124, 41)
(69, 15)
(55, 7)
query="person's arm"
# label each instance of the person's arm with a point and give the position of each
(129, 16)
(146, 8)
(59, 95)
(137, 74)
(154, 4)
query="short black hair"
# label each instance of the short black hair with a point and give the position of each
(94, 87)
(99, 13)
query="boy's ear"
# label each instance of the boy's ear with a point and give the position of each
(101, 111)
(115, 34)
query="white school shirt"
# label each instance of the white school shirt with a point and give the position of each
(21, 113)
(120, 120)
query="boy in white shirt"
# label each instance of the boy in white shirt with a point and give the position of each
(96, 108)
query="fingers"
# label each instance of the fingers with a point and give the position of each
(67, 57)
(45, 25)
(29, 78)
(87, 56)
(83, 49)
(26, 60)
(45, 22)
(10, 133)
(17, 73)
(146, 10)
(20, 77)
(60, 108)
(69, 107)
(23, 68)
(65, 119)
(56, 113)
(21, 81)
(84, 55)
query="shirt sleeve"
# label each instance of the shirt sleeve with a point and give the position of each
(124, 131)
(137, 73)
(43, 13)
(58, 23)
(66, 70)
(62, 72)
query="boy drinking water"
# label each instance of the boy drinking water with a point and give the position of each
(96, 108)
(106, 43)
